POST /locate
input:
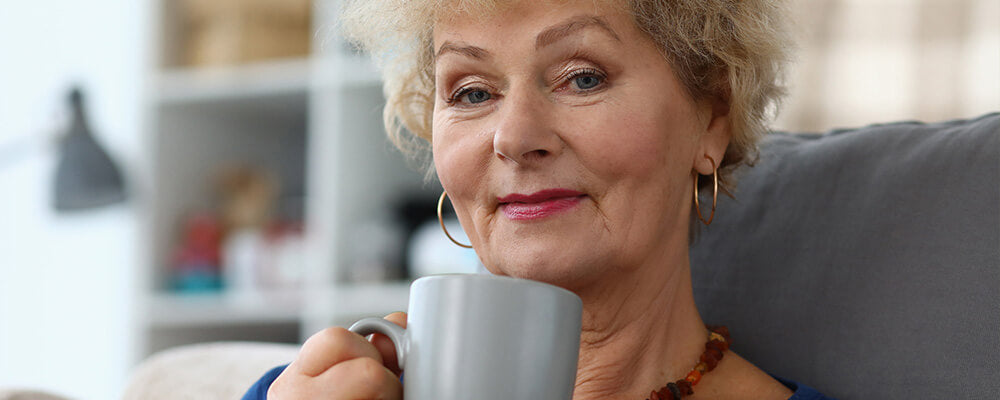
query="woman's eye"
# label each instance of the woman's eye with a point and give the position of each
(469, 96)
(585, 82)
(477, 96)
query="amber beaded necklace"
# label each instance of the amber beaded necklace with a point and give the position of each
(718, 342)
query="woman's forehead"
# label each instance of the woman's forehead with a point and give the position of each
(557, 17)
(484, 10)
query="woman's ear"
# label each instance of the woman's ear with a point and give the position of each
(715, 137)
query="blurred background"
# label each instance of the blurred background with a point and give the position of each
(182, 171)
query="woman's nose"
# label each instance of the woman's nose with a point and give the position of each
(524, 134)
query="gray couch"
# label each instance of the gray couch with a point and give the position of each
(865, 262)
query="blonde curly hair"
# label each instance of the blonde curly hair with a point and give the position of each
(729, 50)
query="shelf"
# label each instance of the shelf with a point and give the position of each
(273, 79)
(345, 71)
(272, 307)
(214, 309)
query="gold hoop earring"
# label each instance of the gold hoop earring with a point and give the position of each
(715, 193)
(441, 220)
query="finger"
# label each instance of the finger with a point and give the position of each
(385, 345)
(362, 378)
(398, 318)
(329, 347)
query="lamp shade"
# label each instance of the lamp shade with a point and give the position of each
(86, 177)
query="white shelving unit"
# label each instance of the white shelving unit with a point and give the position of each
(325, 108)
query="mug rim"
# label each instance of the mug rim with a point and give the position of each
(483, 276)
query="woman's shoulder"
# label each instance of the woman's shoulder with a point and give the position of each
(259, 389)
(800, 391)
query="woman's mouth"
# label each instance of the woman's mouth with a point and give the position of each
(541, 204)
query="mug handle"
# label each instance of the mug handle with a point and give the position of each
(395, 333)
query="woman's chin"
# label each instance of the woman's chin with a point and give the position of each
(568, 274)
(564, 252)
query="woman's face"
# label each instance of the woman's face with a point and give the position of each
(565, 142)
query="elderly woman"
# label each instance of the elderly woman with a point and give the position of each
(572, 138)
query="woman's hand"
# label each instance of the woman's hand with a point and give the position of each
(339, 364)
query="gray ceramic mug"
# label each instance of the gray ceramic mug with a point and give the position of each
(485, 337)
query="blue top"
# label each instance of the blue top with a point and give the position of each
(259, 389)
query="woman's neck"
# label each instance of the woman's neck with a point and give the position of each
(640, 332)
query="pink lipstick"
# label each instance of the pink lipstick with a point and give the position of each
(540, 204)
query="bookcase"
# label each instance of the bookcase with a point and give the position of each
(313, 121)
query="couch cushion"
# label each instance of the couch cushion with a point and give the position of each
(223, 370)
(864, 262)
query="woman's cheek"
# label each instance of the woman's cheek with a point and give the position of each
(448, 162)
(461, 161)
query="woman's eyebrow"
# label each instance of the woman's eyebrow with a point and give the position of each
(548, 36)
(574, 24)
(467, 50)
